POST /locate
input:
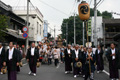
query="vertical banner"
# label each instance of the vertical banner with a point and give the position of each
(89, 27)
(45, 28)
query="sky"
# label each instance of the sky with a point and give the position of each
(56, 10)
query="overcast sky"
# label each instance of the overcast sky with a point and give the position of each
(63, 9)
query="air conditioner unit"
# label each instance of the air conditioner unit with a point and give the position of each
(19, 32)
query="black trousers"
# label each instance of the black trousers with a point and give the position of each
(56, 62)
(49, 61)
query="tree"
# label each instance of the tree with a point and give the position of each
(70, 23)
(92, 12)
(79, 25)
(106, 15)
(3, 25)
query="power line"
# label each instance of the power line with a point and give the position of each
(90, 2)
(54, 8)
(73, 7)
(32, 5)
(115, 13)
(100, 3)
(17, 4)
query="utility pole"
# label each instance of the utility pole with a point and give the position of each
(27, 41)
(66, 34)
(54, 34)
(83, 34)
(95, 23)
(74, 31)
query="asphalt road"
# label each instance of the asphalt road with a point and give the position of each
(50, 72)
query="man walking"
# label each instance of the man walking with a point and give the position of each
(12, 61)
(32, 58)
(113, 58)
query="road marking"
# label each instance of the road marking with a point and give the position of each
(106, 72)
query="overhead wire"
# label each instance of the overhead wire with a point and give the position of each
(54, 8)
(32, 5)
(100, 3)
(72, 7)
(90, 2)
(17, 4)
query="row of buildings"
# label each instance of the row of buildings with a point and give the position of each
(38, 27)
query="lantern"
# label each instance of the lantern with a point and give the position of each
(84, 11)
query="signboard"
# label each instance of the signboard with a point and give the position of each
(25, 35)
(89, 28)
(45, 28)
(25, 29)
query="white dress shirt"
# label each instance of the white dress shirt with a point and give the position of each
(11, 53)
(94, 49)
(1, 50)
(113, 51)
(32, 51)
(98, 51)
(76, 52)
(68, 51)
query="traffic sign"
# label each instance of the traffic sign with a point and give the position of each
(25, 29)
(25, 35)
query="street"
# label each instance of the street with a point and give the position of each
(50, 72)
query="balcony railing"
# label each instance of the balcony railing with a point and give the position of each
(24, 8)
(110, 34)
(6, 7)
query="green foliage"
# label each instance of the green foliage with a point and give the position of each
(92, 12)
(70, 22)
(78, 24)
(3, 25)
(106, 15)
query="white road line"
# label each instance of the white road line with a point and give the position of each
(106, 72)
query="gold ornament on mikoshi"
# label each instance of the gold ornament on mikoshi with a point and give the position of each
(84, 11)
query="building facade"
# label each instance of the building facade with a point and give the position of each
(99, 29)
(15, 23)
(36, 21)
(108, 31)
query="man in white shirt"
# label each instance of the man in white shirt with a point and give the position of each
(32, 58)
(68, 59)
(113, 58)
(99, 59)
(12, 61)
(77, 57)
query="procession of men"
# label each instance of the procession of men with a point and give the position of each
(79, 61)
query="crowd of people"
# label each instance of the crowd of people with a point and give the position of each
(91, 59)
(78, 60)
